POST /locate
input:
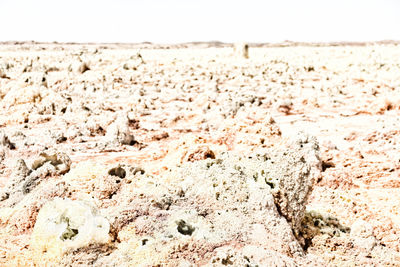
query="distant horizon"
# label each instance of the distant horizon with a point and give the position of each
(184, 21)
(285, 42)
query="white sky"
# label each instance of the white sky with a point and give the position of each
(173, 21)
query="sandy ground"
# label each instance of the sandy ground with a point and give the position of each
(176, 100)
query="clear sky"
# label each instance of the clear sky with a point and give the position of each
(173, 21)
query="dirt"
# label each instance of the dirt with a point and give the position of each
(155, 110)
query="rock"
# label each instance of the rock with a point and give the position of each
(2, 155)
(119, 133)
(292, 172)
(3, 74)
(241, 50)
(316, 223)
(131, 116)
(20, 169)
(37, 176)
(189, 148)
(83, 67)
(18, 177)
(285, 106)
(199, 153)
(63, 225)
(58, 136)
(228, 200)
(218, 203)
(134, 62)
(5, 141)
(80, 67)
(118, 171)
(94, 126)
(23, 180)
(59, 160)
(72, 132)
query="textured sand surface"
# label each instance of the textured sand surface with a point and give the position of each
(199, 155)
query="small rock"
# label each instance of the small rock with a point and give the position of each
(79, 67)
(134, 62)
(5, 142)
(119, 133)
(2, 154)
(285, 106)
(17, 179)
(37, 176)
(241, 50)
(199, 153)
(3, 75)
(83, 67)
(63, 225)
(59, 160)
(58, 136)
